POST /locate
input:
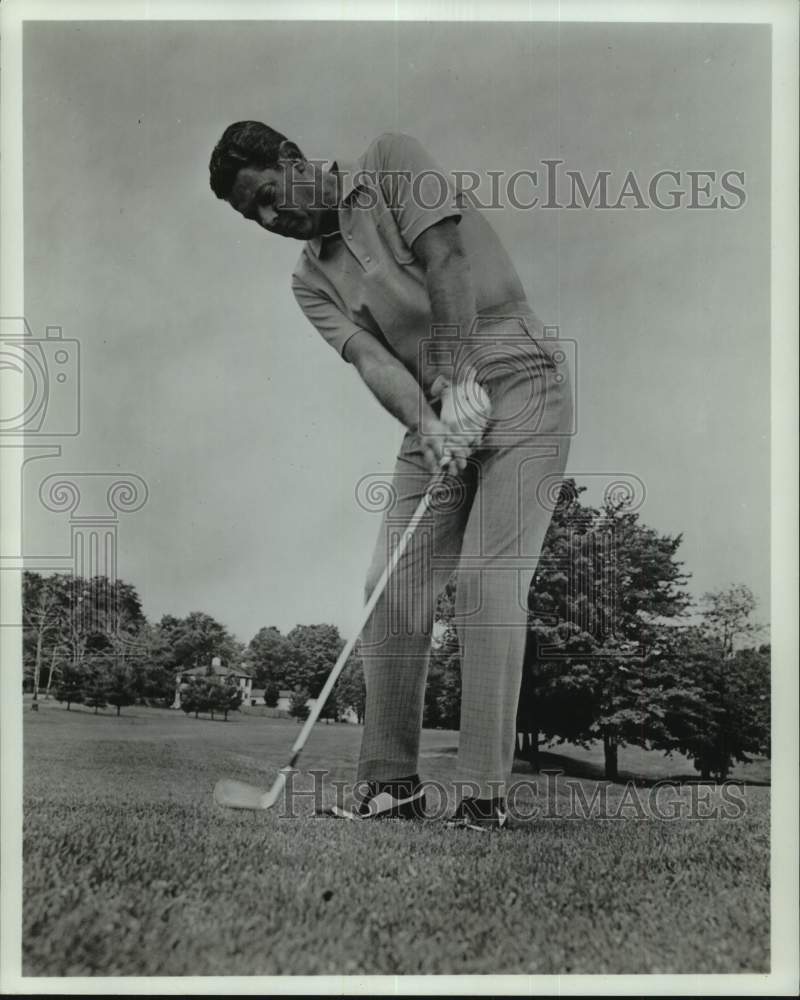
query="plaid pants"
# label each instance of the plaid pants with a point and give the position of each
(489, 525)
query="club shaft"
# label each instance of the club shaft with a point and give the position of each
(369, 607)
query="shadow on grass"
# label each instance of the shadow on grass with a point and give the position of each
(654, 768)
(593, 771)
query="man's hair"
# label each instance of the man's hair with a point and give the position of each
(243, 144)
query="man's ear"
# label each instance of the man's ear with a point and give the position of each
(289, 150)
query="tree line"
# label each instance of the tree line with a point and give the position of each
(617, 652)
(87, 641)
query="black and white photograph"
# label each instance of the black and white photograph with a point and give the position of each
(399, 521)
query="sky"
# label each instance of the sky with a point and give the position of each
(200, 374)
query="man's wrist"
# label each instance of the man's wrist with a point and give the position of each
(438, 386)
(421, 420)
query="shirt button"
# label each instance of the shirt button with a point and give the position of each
(349, 237)
(368, 259)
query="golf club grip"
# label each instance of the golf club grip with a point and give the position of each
(369, 607)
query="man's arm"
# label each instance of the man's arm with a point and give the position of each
(447, 276)
(399, 393)
(426, 208)
(388, 379)
(465, 405)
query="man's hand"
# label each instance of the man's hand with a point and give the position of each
(439, 449)
(447, 441)
(465, 412)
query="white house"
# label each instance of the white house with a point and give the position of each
(238, 676)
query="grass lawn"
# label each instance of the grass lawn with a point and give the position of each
(130, 869)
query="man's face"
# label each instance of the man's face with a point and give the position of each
(284, 200)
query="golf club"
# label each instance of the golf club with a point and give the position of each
(238, 794)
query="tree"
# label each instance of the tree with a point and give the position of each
(190, 698)
(70, 618)
(431, 710)
(121, 689)
(102, 609)
(199, 695)
(723, 713)
(546, 707)
(748, 707)
(331, 710)
(70, 685)
(42, 609)
(317, 649)
(727, 615)
(736, 683)
(208, 696)
(687, 714)
(272, 694)
(96, 689)
(273, 657)
(443, 692)
(298, 706)
(73, 632)
(153, 683)
(604, 588)
(52, 668)
(148, 654)
(351, 688)
(227, 699)
(197, 639)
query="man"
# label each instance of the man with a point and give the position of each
(408, 282)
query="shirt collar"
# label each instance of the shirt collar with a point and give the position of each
(352, 179)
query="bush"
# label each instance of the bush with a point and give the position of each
(298, 707)
(70, 685)
(210, 696)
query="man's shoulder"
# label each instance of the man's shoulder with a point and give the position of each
(388, 153)
(387, 149)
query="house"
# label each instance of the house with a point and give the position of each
(238, 676)
(282, 709)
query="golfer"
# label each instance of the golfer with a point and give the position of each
(407, 281)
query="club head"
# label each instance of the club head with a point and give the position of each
(239, 795)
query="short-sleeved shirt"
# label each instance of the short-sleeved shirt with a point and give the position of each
(366, 276)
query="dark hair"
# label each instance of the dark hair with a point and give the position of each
(243, 144)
